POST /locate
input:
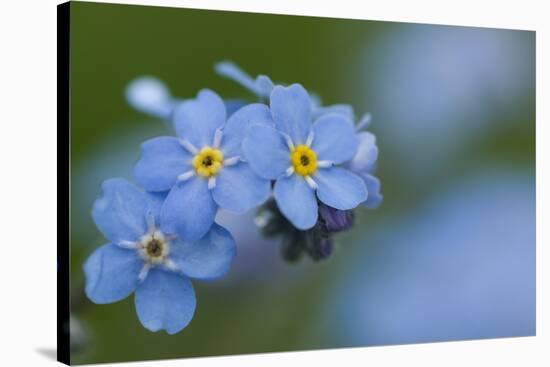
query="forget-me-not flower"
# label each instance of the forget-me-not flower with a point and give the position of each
(302, 157)
(145, 257)
(364, 162)
(203, 169)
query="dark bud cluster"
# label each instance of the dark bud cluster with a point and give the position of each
(316, 242)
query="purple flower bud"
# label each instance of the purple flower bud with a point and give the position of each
(335, 220)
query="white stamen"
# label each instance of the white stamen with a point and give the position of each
(311, 182)
(211, 183)
(231, 161)
(189, 146)
(170, 265)
(144, 271)
(186, 175)
(325, 164)
(309, 140)
(129, 245)
(217, 139)
(289, 171)
(289, 142)
(364, 122)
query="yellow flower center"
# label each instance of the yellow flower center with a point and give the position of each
(208, 161)
(304, 160)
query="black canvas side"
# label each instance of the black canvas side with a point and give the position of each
(63, 184)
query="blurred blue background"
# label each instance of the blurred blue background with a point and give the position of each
(450, 254)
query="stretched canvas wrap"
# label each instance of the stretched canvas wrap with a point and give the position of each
(247, 183)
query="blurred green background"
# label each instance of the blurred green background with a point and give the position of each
(454, 114)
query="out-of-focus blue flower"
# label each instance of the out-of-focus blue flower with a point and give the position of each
(301, 157)
(461, 266)
(203, 169)
(151, 96)
(146, 257)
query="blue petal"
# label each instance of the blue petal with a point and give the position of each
(162, 160)
(120, 212)
(339, 188)
(297, 201)
(208, 258)
(264, 86)
(165, 301)
(374, 199)
(291, 110)
(239, 189)
(189, 209)
(334, 138)
(233, 105)
(156, 200)
(196, 120)
(366, 155)
(266, 151)
(111, 273)
(151, 96)
(236, 127)
(341, 109)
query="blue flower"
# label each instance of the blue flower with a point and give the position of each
(363, 163)
(203, 169)
(302, 157)
(144, 256)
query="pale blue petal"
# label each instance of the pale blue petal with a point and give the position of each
(266, 151)
(366, 155)
(111, 273)
(196, 120)
(162, 160)
(291, 110)
(297, 201)
(334, 138)
(236, 127)
(165, 301)
(208, 258)
(189, 209)
(239, 189)
(156, 200)
(120, 211)
(264, 86)
(339, 188)
(151, 96)
(374, 198)
(341, 109)
(233, 105)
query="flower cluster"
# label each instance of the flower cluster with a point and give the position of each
(304, 167)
